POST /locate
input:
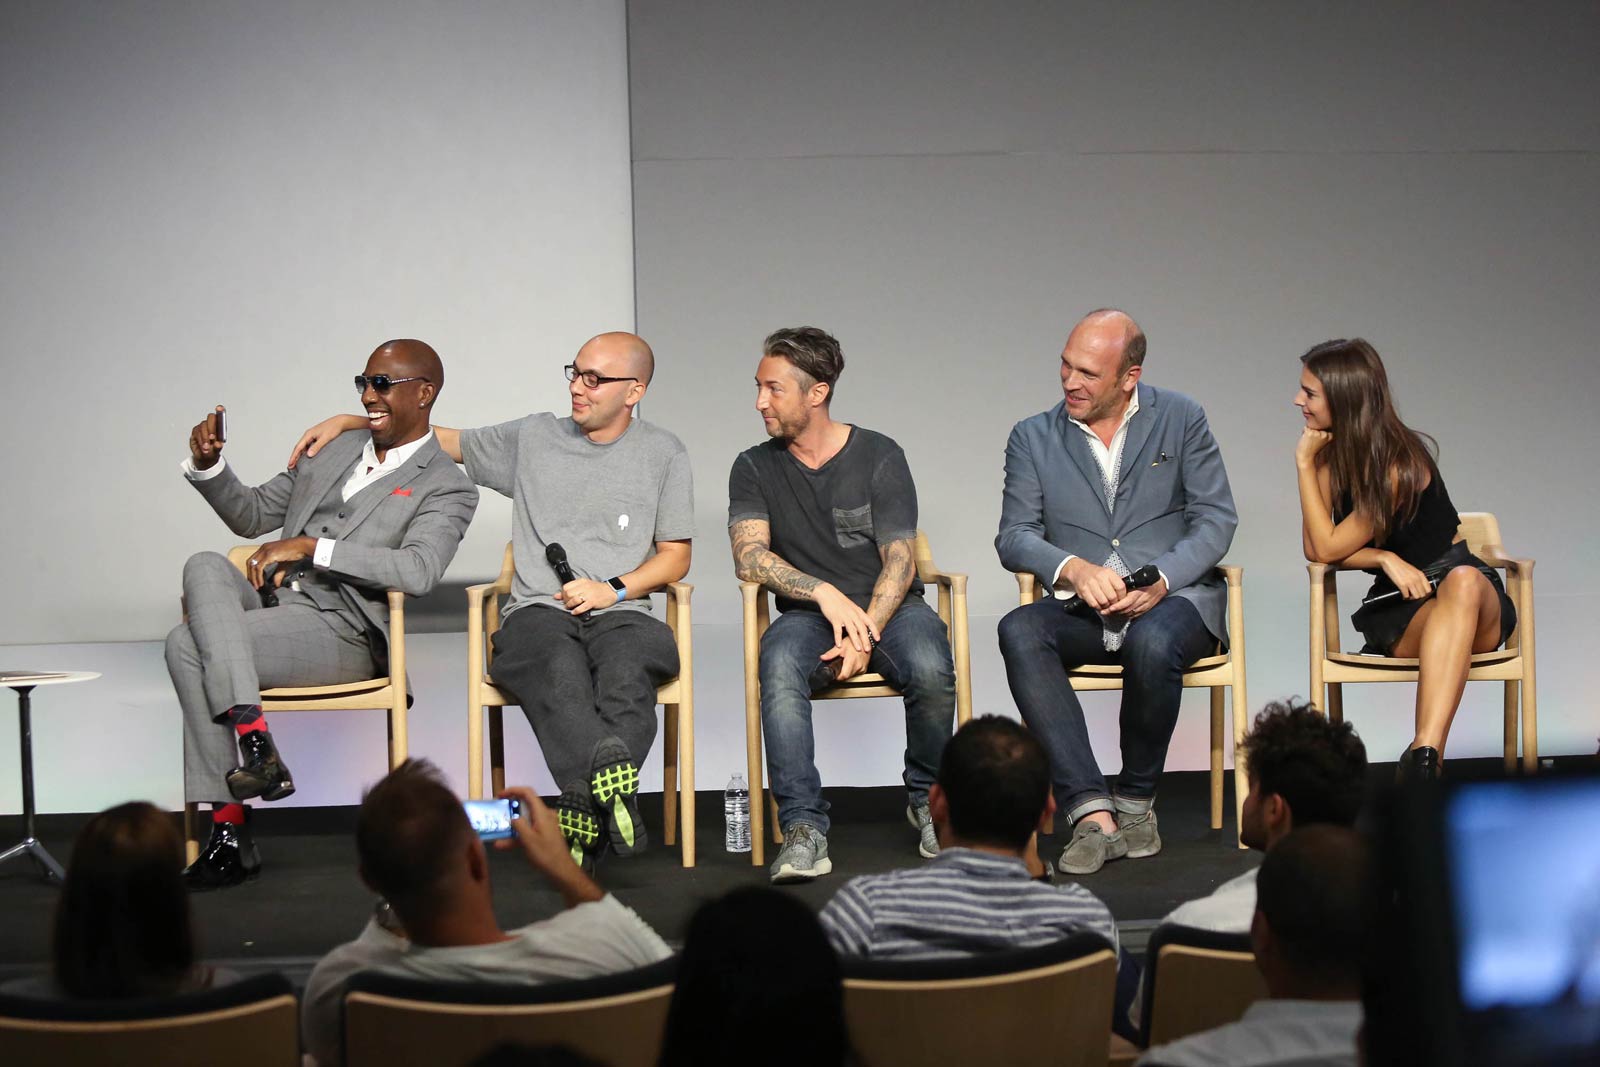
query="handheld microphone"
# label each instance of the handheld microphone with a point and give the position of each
(1142, 578)
(556, 556)
(1433, 587)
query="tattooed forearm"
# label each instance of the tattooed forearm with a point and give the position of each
(894, 580)
(754, 561)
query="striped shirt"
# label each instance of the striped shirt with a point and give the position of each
(961, 903)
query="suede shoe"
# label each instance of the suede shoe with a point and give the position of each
(922, 822)
(804, 855)
(581, 828)
(262, 774)
(1140, 833)
(614, 782)
(229, 859)
(1090, 848)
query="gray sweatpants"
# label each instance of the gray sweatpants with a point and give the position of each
(231, 648)
(581, 681)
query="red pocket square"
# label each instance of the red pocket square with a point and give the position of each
(401, 492)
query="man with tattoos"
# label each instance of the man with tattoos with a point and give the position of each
(825, 515)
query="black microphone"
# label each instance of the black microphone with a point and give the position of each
(1140, 579)
(557, 558)
(1433, 587)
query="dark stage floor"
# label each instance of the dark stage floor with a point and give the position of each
(308, 898)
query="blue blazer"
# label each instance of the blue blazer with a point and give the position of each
(1174, 506)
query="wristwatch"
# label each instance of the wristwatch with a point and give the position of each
(621, 587)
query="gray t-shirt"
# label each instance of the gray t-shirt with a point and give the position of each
(606, 505)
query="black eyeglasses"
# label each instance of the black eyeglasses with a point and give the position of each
(381, 383)
(590, 378)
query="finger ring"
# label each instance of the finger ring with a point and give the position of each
(255, 559)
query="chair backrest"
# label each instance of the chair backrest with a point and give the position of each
(253, 1020)
(1002, 1008)
(617, 1019)
(1196, 980)
(1479, 528)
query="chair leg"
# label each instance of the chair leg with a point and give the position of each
(191, 839)
(497, 750)
(758, 799)
(1241, 772)
(399, 739)
(686, 774)
(1510, 745)
(1336, 701)
(669, 773)
(1216, 756)
(1530, 722)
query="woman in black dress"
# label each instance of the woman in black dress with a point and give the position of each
(1371, 498)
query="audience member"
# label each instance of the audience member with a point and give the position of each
(418, 851)
(122, 925)
(991, 793)
(1307, 936)
(1303, 769)
(755, 961)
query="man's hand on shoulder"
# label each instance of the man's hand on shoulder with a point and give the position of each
(312, 441)
(205, 440)
(1099, 587)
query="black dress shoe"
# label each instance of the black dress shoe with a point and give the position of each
(229, 859)
(262, 774)
(1418, 765)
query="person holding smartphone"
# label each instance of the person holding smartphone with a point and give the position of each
(418, 850)
(1371, 497)
(382, 508)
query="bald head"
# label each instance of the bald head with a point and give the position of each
(1109, 328)
(411, 358)
(632, 355)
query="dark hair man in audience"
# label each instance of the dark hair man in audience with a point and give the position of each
(825, 515)
(583, 658)
(1117, 477)
(992, 793)
(1303, 769)
(1307, 936)
(419, 852)
(381, 508)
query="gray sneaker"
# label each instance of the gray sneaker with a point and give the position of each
(804, 855)
(922, 822)
(1140, 831)
(1090, 848)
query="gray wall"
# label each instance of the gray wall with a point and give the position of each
(234, 203)
(948, 186)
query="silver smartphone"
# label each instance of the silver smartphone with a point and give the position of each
(492, 818)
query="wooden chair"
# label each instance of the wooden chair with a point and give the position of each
(675, 696)
(1219, 672)
(388, 693)
(1050, 1004)
(1513, 664)
(619, 1020)
(182, 1031)
(1195, 980)
(757, 616)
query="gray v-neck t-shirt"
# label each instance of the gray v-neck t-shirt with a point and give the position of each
(605, 504)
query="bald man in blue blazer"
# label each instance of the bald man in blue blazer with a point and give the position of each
(1118, 476)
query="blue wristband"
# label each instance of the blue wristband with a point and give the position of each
(621, 587)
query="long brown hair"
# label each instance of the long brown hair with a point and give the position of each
(1377, 465)
(122, 922)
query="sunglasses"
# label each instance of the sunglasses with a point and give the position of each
(381, 383)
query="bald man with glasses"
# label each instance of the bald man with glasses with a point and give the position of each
(584, 657)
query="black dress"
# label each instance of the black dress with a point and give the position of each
(1428, 543)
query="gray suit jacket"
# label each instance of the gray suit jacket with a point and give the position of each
(1174, 506)
(400, 533)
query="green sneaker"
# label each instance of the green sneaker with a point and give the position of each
(581, 828)
(614, 782)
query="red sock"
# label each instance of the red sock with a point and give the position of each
(247, 719)
(233, 813)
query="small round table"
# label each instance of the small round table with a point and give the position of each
(24, 683)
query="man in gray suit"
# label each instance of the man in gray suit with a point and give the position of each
(380, 508)
(1118, 476)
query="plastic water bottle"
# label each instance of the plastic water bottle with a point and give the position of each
(736, 810)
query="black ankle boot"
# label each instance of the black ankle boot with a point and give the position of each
(262, 773)
(229, 859)
(1418, 765)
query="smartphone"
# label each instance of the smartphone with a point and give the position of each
(492, 818)
(222, 426)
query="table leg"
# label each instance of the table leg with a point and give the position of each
(30, 843)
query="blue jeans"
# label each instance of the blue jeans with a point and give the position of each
(1042, 641)
(913, 653)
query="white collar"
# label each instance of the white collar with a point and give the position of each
(1127, 413)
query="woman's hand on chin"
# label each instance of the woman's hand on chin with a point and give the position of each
(1311, 442)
